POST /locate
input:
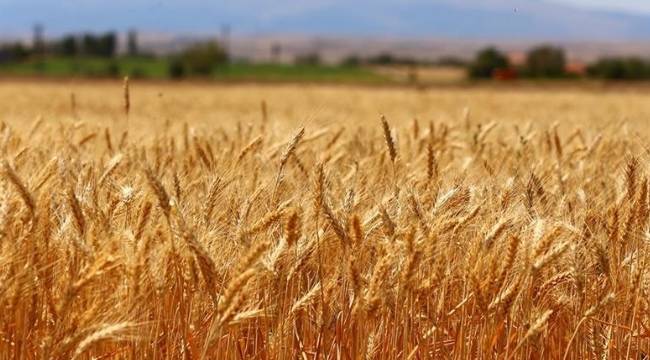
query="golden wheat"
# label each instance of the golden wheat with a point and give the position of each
(201, 228)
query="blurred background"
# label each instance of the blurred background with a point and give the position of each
(414, 42)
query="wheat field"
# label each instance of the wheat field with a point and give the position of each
(191, 221)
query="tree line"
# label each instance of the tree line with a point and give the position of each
(199, 59)
(202, 58)
(88, 44)
(548, 61)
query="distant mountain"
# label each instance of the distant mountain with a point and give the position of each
(468, 19)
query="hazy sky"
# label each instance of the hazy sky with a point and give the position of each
(309, 16)
(622, 5)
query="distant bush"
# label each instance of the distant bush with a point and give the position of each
(545, 62)
(382, 59)
(631, 68)
(451, 61)
(351, 61)
(14, 52)
(39, 66)
(176, 69)
(201, 59)
(113, 69)
(386, 58)
(486, 62)
(308, 59)
(137, 73)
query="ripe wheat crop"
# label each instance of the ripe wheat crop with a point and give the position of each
(370, 237)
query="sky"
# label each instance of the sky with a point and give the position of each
(446, 18)
(632, 6)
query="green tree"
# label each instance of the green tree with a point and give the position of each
(68, 46)
(107, 45)
(632, 68)
(486, 61)
(89, 44)
(103, 45)
(545, 62)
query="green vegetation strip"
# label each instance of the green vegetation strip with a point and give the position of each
(159, 68)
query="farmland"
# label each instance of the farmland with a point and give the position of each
(193, 220)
